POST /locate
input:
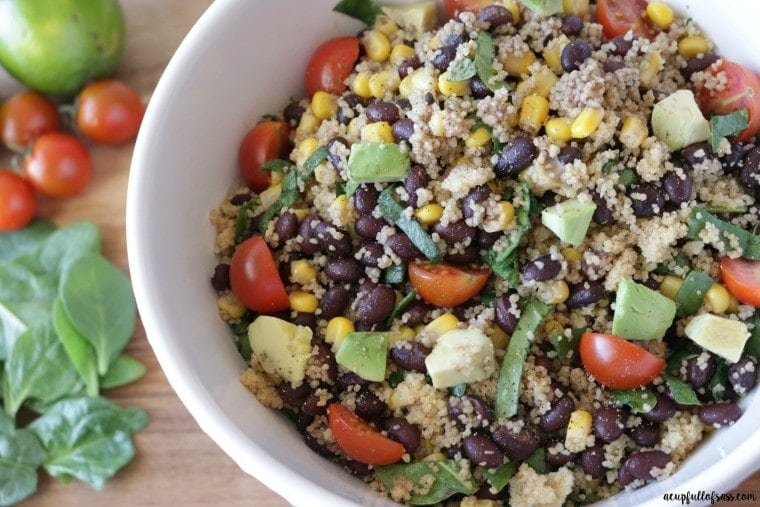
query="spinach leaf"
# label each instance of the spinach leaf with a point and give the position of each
(97, 298)
(718, 383)
(401, 306)
(727, 125)
(752, 347)
(363, 10)
(458, 390)
(730, 236)
(564, 345)
(243, 220)
(682, 392)
(20, 455)
(674, 267)
(537, 461)
(641, 401)
(63, 246)
(124, 370)
(504, 262)
(691, 293)
(77, 347)
(499, 477)
(677, 359)
(461, 69)
(276, 164)
(17, 243)
(447, 481)
(393, 212)
(484, 58)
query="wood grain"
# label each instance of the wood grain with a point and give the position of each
(176, 463)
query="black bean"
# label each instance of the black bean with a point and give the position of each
(333, 240)
(611, 66)
(572, 26)
(470, 410)
(404, 104)
(444, 56)
(335, 145)
(663, 410)
(625, 477)
(699, 371)
(220, 280)
(415, 313)
(349, 111)
(293, 397)
(403, 247)
(482, 451)
(403, 129)
(312, 406)
(326, 359)
(379, 110)
(735, 158)
(640, 463)
(367, 226)
(375, 305)
(518, 445)
(365, 198)
(487, 239)
(470, 255)
(454, 39)
(407, 65)
(455, 232)
(585, 294)
(569, 154)
(333, 302)
(344, 270)
(479, 89)
(516, 155)
(645, 434)
(358, 469)
(541, 269)
(308, 233)
(368, 405)
(239, 199)
(697, 153)
(349, 379)
(286, 226)
(505, 314)
(602, 213)
(621, 45)
(557, 455)
(742, 375)
(608, 423)
(574, 54)
(371, 252)
(293, 112)
(410, 356)
(487, 492)
(647, 199)
(592, 461)
(305, 319)
(750, 172)
(313, 444)
(404, 432)
(677, 186)
(698, 64)
(475, 197)
(416, 179)
(352, 100)
(495, 15)
(558, 415)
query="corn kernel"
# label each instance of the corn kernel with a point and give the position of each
(692, 45)
(399, 399)
(513, 9)
(559, 129)
(404, 333)
(302, 301)
(301, 272)
(360, 85)
(429, 214)
(270, 195)
(440, 325)
(336, 330)
(557, 292)
(230, 307)
(377, 132)
(719, 298)
(305, 149)
(437, 124)
(733, 304)
(506, 215)
(571, 254)
(553, 52)
(386, 25)
(518, 65)
(477, 138)
(587, 122)
(533, 113)
(670, 285)
(435, 456)
(324, 105)
(649, 69)
(541, 83)
(376, 45)
(401, 52)
(308, 124)
(455, 88)
(578, 8)
(578, 430)
(276, 177)
(355, 126)
(385, 81)
(499, 338)
(633, 132)
(300, 213)
(661, 14)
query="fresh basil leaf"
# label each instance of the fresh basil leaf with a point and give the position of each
(691, 293)
(22, 241)
(499, 477)
(447, 480)
(640, 401)
(718, 383)
(276, 164)
(752, 347)
(364, 10)
(78, 349)
(484, 58)
(461, 69)
(124, 370)
(20, 455)
(537, 461)
(683, 394)
(243, 220)
(727, 125)
(730, 236)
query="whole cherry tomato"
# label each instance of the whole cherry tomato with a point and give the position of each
(58, 165)
(25, 116)
(18, 202)
(109, 112)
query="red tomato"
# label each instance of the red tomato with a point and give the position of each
(359, 441)
(254, 278)
(17, 201)
(25, 116)
(454, 7)
(618, 363)
(59, 165)
(742, 279)
(446, 285)
(619, 16)
(264, 142)
(743, 91)
(109, 112)
(331, 64)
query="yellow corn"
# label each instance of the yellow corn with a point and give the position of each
(429, 213)
(578, 430)
(558, 292)
(571, 254)
(301, 272)
(385, 81)
(377, 132)
(559, 129)
(230, 307)
(437, 124)
(575, 7)
(300, 213)
(337, 329)
(587, 122)
(386, 25)
(719, 298)
(733, 304)
(305, 149)
(553, 53)
(455, 88)
(518, 65)
(499, 338)
(276, 177)
(440, 325)
(541, 83)
(478, 502)
(649, 69)
(670, 285)
(376, 45)
(324, 105)
(477, 138)
(270, 195)
(506, 215)
(533, 113)
(341, 202)
(661, 14)
(401, 52)
(513, 9)
(435, 456)
(692, 45)
(360, 85)
(404, 333)
(302, 301)
(633, 132)
(308, 124)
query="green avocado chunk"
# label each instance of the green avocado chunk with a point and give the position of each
(678, 122)
(460, 356)
(641, 313)
(719, 335)
(282, 348)
(544, 7)
(377, 163)
(569, 220)
(364, 353)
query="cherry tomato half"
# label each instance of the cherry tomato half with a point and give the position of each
(331, 64)
(359, 441)
(254, 278)
(25, 116)
(59, 165)
(109, 112)
(742, 279)
(618, 363)
(742, 91)
(264, 142)
(17, 201)
(446, 285)
(619, 16)
(454, 7)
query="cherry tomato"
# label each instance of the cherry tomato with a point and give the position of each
(742, 91)
(25, 116)
(454, 7)
(265, 141)
(59, 165)
(446, 285)
(331, 64)
(109, 112)
(742, 279)
(17, 201)
(619, 16)
(618, 363)
(254, 278)
(359, 441)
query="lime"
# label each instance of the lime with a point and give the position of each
(55, 46)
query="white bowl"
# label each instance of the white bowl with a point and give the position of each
(245, 58)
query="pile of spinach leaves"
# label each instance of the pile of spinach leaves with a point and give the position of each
(66, 314)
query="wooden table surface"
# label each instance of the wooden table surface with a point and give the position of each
(176, 463)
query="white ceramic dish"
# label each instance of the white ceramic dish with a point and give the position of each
(244, 58)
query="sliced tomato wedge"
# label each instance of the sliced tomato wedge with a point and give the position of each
(254, 278)
(360, 441)
(618, 363)
(330, 65)
(454, 7)
(617, 17)
(447, 285)
(742, 279)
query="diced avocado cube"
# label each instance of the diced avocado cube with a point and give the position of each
(569, 220)
(720, 335)
(460, 356)
(416, 18)
(282, 348)
(365, 354)
(544, 7)
(641, 313)
(678, 122)
(377, 163)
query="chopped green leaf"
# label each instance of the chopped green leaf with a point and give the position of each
(364, 10)
(641, 401)
(394, 274)
(458, 390)
(276, 165)
(461, 69)
(752, 347)
(484, 58)
(397, 377)
(724, 210)
(243, 219)
(401, 306)
(537, 461)
(718, 383)
(446, 474)
(727, 125)
(730, 237)
(676, 267)
(20, 455)
(393, 212)
(504, 262)
(564, 345)
(691, 293)
(627, 177)
(677, 360)
(499, 477)
(682, 392)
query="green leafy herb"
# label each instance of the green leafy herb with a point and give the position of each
(446, 474)
(484, 58)
(640, 401)
(627, 177)
(676, 267)
(564, 345)
(243, 220)
(610, 166)
(458, 390)
(682, 392)
(583, 498)
(394, 274)
(677, 359)
(504, 262)
(80, 351)
(124, 370)
(724, 210)
(276, 164)
(397, 377)
(719, 381)
(752, 347)
(20, 455)
(727, 125)
(23, 241)
(537, 461)
(499, 477)
(461, 69)
(393, 212)
(691, 293)
(729, 236)
(401, 306)
(364, 10)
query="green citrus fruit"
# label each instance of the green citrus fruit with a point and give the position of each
(55, 46)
